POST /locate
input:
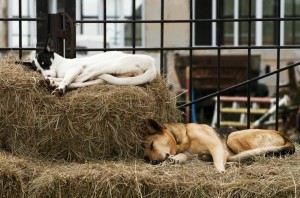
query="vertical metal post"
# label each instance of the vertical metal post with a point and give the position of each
(249, 64)
(41, 25)
(20, 29)
(219, 34)
(191, 109)
(133, 26)
(104, 25)
(162, 13)
(81, 14)
(277, 62)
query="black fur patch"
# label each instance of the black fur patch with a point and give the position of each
(44, 59)
(225, 131)
(283, 152)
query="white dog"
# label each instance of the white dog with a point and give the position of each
(115, 68)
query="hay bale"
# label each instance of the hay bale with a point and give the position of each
(97, 122)
(266, 177)
(14, 175)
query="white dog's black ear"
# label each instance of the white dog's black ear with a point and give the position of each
(153, 126)
(49, 45)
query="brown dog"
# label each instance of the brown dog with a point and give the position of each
(176, 142)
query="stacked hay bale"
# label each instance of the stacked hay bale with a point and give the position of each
(29, 177)
(97, 122)
(106, 122)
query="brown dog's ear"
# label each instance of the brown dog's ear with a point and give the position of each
(153, 126)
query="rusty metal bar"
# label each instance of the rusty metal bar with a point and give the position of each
(69, 12)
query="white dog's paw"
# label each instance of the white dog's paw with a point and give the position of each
(51, 84)
(58, 92)
(48, 84)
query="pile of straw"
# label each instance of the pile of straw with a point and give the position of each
(96, 122)
(267, 177)
(104, 124)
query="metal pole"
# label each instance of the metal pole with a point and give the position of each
(69, 7)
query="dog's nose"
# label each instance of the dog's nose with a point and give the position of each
(147, 159)
(155, 162)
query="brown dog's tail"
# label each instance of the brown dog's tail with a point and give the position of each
(287, 149)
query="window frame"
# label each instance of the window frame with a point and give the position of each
(258, 24)
(120, 35)
(29, 35)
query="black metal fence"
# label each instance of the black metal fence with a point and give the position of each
(66, 9)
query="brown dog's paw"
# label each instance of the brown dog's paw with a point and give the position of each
(172, 160)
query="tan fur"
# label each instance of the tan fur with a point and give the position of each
(176, 143)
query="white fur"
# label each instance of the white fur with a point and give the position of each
(99, 69)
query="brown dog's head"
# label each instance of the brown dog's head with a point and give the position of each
(159, 143)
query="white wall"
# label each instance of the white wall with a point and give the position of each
(3, 25)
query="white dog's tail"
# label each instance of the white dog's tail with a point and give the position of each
(288, 148)
(147, 76)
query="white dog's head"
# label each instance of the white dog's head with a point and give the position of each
(44, 60)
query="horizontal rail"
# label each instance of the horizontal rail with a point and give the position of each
(193, 48)
(167, 48)
(161, 21)
(21, 48)
(189, 20)
(245, 99)
(22, 19)
(243, 110)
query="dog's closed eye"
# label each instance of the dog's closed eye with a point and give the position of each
(151, 146)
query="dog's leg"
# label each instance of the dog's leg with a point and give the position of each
(219, 158)
(87, 83)
(83, 77)
(53, 83)
(67, 80)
